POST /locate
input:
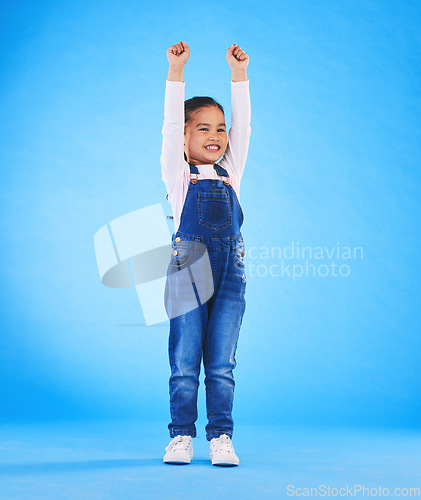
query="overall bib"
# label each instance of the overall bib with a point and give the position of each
(211, 219)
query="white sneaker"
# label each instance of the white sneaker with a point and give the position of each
(180, 450)
(222, 451)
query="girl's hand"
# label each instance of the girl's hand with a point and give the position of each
(237, 58)
(178, 54)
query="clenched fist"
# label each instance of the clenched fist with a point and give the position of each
(237, 58)
(178, 54)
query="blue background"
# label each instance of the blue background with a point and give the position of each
(334, 160)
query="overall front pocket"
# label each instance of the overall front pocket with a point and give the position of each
(214, 209)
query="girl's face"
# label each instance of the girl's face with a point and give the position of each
(205, 136)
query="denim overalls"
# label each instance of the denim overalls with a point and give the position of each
(210, 222)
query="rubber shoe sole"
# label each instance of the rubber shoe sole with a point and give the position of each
(226, 461)
(177, 459)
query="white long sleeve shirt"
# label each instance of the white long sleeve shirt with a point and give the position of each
(175, 170)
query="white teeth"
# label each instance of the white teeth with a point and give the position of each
(211, 147)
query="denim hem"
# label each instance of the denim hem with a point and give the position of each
(217, 434)
(183, 432)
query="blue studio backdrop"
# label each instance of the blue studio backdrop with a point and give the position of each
(330, 193)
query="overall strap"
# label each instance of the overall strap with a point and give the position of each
(220, 170)
(193, 169)
(194, 172)
(222, 173)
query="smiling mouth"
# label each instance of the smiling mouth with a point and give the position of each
(213, 148)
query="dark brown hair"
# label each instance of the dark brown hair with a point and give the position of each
(195, 103)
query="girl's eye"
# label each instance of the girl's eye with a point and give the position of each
(219, 130)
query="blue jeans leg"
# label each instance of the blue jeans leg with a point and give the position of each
(225, 312)
(185, 355)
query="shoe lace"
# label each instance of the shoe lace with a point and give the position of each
(179, 443)
(223, 444)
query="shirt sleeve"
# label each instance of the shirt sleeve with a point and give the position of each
(240, 131)
(172, 155)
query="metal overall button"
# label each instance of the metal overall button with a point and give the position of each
(214, 209)
(182, 253)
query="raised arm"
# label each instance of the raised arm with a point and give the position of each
(172, 162)
(239, 134)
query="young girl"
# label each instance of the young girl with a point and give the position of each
(204, 197)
